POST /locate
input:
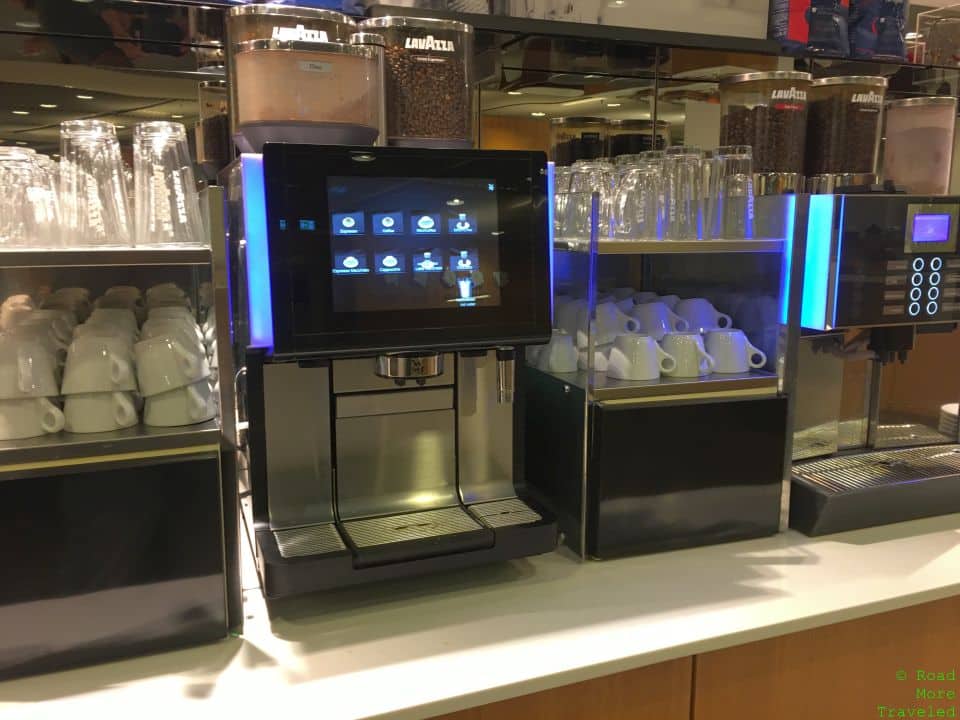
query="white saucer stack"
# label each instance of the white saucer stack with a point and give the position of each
(948, 419)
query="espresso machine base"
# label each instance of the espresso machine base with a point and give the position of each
(850, 492)
(317, 557)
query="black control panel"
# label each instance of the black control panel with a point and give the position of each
(896, 260)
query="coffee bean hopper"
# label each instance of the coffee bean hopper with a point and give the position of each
(380, 319)
(875, 420)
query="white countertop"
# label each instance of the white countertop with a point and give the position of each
(420, 647)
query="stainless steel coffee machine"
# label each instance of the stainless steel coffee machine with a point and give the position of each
(875, 415)
(381, 298)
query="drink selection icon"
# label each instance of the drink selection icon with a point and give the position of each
(348, 223)
(428, 261)
(426, 224)
(353, 262)
(390, 263)
(388, 223)
(463, 224)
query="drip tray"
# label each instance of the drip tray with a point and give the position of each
(875, 488)
(411, 536)
(309, 540)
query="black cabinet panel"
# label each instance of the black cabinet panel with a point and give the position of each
(666, 476)
(109, 563)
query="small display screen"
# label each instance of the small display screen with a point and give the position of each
(414, 243)
(931, 228)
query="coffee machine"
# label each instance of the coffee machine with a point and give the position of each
(381, 299)
(875, 415)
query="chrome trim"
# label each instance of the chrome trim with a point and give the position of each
(388, 21)
(767, 75)
(409, 366)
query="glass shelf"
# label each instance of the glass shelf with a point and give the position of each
(139, 443)
(103, 257)
(603, 388)
(670, 247)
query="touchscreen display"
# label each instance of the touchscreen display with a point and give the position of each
(413, 243)
(930, 228)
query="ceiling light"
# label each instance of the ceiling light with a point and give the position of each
(48, 106)
(538, 114)
(119, 127)
(20, 112)
(514, 92)
(84, 97)
(20, 142)
(613, 104)
(28, 24)
(176, 117)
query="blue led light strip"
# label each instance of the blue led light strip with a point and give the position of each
(259, 297)
(816, 270)
(786, 265)
(550, 215)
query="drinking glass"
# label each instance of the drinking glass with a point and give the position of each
(93, 192)
(28, 211)
(637, 202)
(561, 188)
(683, 177)
(732, 195)
(167, 204)
(587, 178)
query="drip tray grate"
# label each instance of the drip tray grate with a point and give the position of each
(885, 467)
(308, 540)
(505, 513)
(409, 526)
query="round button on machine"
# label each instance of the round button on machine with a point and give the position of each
(933, 293)
(934, 278)
(914, 309)
(932, 308)
(916, 293)
(916, 280)
(918, 264)
(936, 263)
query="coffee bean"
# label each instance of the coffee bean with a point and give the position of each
(775, 134)
(842, 135)
(428, 95)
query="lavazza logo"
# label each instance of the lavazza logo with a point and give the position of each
(429, 43)
(868, 98)
(788, 94)
(299, 33)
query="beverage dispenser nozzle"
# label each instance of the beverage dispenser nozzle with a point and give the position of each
(401, 367)
(506, 374)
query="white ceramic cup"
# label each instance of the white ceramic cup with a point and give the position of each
(622, 293)
(20, 300)
(79, 307)
(167, 362)
(27, 369)
(171, 312)
(559, 355)
(644, 296)
(166, 288)
(702, 316)
(97, 364)
(656, 319)
(73, 293)
(691, 357)
(669, 300)
(121, 317)
(13, 315)
(29, 417)
(733, 352)
(99, 412)
(599, 358)
(128, 291)
(154, 327)
(638, 357)
(611, 321)
(182, 406)
(42, 333)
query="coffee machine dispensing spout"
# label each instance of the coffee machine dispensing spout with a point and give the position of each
(506, 374)
(401, 367)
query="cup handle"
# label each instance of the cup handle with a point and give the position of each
(668, 363)
(188, 361)
(724, 321)
(678, 323)
(52, 420)
(755, 352)
(124, 412)
(119, 369)
(198, 406)
(708, 358)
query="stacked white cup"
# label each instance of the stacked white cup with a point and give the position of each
(28, 388)
(172, 362)
(99, 379)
